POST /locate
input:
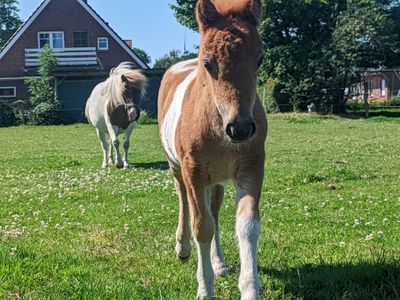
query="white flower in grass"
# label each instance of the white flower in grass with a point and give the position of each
(13, 251)
(356, 222)
(369, 237)
(126, 228)
(342, 244)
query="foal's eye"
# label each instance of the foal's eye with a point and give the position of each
(211, 66)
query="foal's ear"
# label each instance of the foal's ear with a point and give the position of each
(206, 14)
(256, 10)
(123, 78)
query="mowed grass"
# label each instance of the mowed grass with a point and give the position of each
(330, 210)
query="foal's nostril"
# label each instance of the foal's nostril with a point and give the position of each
(230, 130)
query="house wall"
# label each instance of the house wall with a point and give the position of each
(21, 90)
(375, 92)
(67, 16)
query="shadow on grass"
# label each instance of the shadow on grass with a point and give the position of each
(345, 281)
(157, 165)
(372, 114)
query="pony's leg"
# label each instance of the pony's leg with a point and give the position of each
(183, 246)
(111, 154)
(249, 183)
(113, 132)
(217, 256)
(115, 142)
(127, 138)
(202, 225)
(103, 141)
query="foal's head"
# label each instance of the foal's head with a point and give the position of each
(230, 54)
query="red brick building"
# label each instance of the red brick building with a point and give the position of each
(86, 48)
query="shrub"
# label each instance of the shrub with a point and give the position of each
(394, 101)
(7, 115)
(145, 119)
(46, 113)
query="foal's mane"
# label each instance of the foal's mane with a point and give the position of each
(114, 85)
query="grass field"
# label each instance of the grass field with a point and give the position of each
(330, 211)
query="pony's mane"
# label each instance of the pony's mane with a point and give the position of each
(114, 84)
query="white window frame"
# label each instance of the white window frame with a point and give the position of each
(51, 38)
(9, 87)
(98, 44)
(383, 87)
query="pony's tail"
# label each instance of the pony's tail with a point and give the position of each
(87, 111)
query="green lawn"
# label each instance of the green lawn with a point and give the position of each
(71, 230)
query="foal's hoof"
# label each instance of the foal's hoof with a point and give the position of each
(126, 165)
(119, 165)
(183, 251)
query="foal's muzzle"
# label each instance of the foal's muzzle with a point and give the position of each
(239, 132)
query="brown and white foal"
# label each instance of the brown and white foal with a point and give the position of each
(213, 128)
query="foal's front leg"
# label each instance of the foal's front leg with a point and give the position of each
(249, 183)
(202, 226)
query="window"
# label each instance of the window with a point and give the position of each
(383, 87)
(8, 92)
(53, 39)
(102, 43)
(80, 39)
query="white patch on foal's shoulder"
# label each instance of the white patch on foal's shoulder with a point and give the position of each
(184, 66)
(172, 117)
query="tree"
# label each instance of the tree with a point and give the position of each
(184, 12)
(41, 89)
(318, 48)
(9, 20)
(173, 57)
(142, 55)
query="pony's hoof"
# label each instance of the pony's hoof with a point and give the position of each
(104, 165)
(126, 165)
(119, 165)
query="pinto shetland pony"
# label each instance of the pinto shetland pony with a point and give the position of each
(113, 108)
(213, 129)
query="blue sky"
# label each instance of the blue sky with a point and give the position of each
(149, 23)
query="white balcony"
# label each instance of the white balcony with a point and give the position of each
(85, 56)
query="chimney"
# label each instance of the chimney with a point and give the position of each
(129, 43)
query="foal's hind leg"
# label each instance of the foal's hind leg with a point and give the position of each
(103, 142)
(183, 246)
(217, 256)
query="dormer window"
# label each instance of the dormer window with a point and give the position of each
(55, 40)
(102, 43)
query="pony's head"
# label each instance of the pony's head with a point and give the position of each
(229, 56)
(126, 87)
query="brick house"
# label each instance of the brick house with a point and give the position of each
(86, 48)
(383, 84)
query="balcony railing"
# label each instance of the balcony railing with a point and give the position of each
(66, 56)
